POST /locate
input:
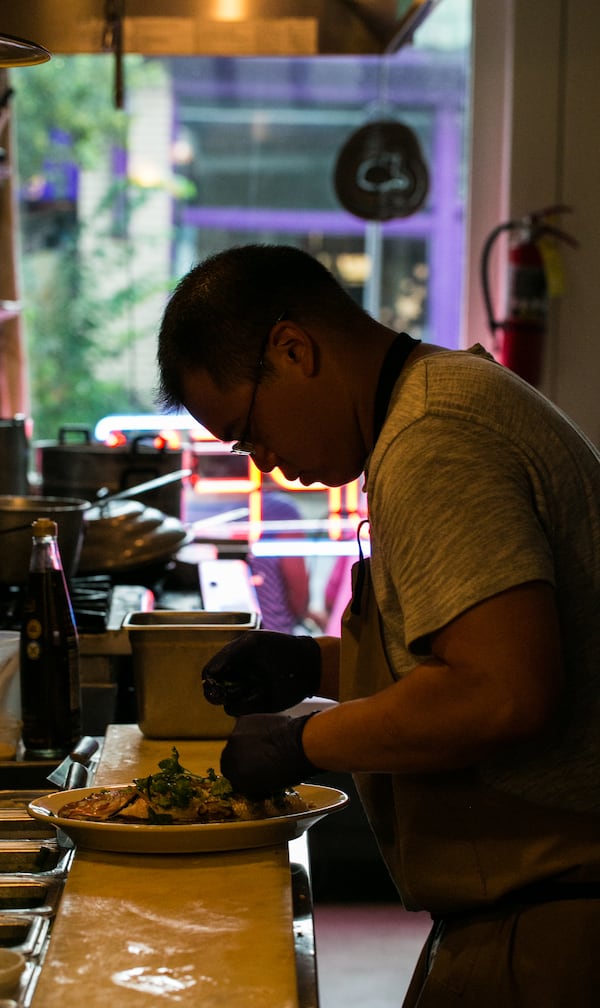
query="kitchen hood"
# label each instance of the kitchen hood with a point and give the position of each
(217, 27)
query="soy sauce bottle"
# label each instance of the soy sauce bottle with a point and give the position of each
(49, 653)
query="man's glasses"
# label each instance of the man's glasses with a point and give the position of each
(244, 446)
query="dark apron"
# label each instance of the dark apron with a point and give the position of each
(514, 888)
(452, 844)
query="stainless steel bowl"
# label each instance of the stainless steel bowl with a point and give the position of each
(17, 515)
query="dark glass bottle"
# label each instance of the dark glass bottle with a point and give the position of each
(50, 686)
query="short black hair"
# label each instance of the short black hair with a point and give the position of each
(220, 312)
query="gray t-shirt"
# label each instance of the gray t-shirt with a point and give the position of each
(477, 484)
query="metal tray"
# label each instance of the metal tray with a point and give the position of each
(21, 893)
(24, 933)
(32, 857)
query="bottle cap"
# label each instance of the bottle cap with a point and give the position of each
(44, 527)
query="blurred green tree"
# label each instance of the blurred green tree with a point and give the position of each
(77, 326)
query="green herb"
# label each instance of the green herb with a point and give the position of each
(176, 787)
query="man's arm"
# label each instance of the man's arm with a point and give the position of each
(495, 680)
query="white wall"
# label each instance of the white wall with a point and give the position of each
(536, 142)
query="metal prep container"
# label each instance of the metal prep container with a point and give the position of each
(169, 650)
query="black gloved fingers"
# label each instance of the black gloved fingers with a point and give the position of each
(231, 678)
(235, 697)
(217, 667)
(262, 670)
(214, 691)
(264, 754)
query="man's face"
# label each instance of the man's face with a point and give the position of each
(293, 423)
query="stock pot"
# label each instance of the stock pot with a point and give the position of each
(77, 465)
(14, 452)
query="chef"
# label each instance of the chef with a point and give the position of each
(469, 669)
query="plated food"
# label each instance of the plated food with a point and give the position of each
(176, 796)
(141, 836)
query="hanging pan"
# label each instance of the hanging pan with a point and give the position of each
(380, 172)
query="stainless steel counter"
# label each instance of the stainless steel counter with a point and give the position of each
(217, 929)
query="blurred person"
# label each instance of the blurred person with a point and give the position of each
(281, 583)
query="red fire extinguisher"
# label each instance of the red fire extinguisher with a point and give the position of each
(534, 276)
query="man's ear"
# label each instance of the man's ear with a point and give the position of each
(293, 346)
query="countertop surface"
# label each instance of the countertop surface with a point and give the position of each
(145, 930)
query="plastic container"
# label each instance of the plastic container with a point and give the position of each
(10, 686)
(12, 965)
(169, 650)
(10, 734)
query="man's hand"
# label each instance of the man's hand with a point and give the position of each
(262, 671)
(264, 754)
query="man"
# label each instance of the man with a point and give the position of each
(470, 656)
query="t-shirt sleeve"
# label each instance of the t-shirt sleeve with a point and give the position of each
(454, 521)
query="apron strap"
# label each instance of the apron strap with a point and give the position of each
(359, 581)
(393, 362)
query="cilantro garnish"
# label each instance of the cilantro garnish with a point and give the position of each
(175, 787)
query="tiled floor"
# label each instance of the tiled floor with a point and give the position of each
(366, 953)
(367, 944)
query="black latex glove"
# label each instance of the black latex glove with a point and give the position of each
(262, 671)
(264, 754)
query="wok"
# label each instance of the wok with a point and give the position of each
(125, 535)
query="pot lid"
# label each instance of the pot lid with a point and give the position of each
(20, 52)
(106, 554)
(117, 528)
(114, 513)
(380, 172)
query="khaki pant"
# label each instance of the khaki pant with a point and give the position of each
(544, 955)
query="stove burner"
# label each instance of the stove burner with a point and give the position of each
(91, 598)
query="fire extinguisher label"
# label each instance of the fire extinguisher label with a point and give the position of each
(553, 266)
(527, 293)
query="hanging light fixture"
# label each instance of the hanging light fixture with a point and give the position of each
(112, 42)
(20, 52)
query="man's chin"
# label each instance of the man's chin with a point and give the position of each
(329, 481)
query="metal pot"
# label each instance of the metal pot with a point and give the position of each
(16, 517)
(18, 513)
(14, 452)
(83, 467)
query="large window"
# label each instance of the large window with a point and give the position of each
(261, 139)
(115, 206)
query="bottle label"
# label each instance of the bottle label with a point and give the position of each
(33, 632)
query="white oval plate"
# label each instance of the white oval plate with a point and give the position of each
(191, 839)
